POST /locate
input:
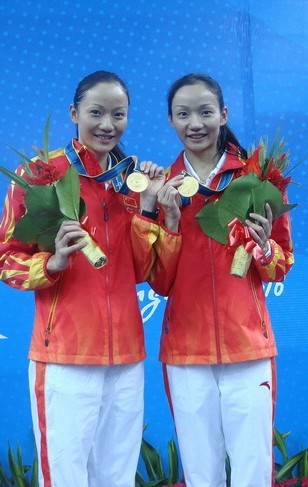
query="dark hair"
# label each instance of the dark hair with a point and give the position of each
(226, 137)
(92, 80)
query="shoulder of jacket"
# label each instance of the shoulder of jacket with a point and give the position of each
(56, 153)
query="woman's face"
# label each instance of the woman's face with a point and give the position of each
(197, 118)
(101, 117)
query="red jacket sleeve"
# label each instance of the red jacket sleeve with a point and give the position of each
(168, 248)
(156, 252)
(281, 259)
(22, 266)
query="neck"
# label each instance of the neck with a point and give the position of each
(202, 163)
(103, 162)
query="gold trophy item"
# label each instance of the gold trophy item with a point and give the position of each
(189, 187)
(241, 262)
(137, 181)
(93, 253)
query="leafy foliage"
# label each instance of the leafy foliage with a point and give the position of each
(292, 467)
(154, 467)
(261, 182)
(20, 473)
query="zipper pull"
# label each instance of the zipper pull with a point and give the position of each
(106, 216)
(47, 331)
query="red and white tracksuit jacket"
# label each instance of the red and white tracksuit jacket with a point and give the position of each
(85, 315)
(211, 316)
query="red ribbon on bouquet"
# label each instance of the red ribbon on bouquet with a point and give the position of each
(239, 235)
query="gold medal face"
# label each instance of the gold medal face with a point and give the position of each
(137, 181)
(189, 187)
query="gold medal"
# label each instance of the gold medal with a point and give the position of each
(189, 187)
(137, 181)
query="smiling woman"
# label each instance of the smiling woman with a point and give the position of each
(197, 118)
(101, 116)
(86, 370)
(217, 344)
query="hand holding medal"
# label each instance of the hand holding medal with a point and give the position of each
(137, 181)
(189, 187)
(147, 178)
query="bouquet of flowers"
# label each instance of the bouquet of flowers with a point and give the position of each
(262, 181)
(50, 200)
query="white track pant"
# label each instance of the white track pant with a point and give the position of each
(88, 423)
(221, 409)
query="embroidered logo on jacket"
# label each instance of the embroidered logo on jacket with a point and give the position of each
(130, 204)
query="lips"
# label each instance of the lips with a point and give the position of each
(196, 136)
(104, 137)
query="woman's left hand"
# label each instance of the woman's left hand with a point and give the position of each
(156, 176)
(261, 231)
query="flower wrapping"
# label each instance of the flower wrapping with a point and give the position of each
(262, 181)
(50, 199)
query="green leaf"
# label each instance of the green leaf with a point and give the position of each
(210, 224)
(173, 463)
(25, 160)
(34, 475)
(279, 441)
(286, 207)
(82, 208)
(42, 213)
(140, 482)
(46, 139)
(152, 461)
(288, 466)
(303, 465)
(15, 177)
(68, 192)
(266, 192)
(26, 230)
(17, 471)
(39, 228)
(46, 239)
(237, 198)
(4, 480)
(243, 195)
(41, 201)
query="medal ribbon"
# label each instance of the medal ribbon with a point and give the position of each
(117, 174)
(225, 179)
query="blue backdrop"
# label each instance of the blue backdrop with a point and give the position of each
(256, 49)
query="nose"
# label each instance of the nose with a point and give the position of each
(195, 122)
(106, 122)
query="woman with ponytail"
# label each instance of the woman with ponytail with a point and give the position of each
(217, 343)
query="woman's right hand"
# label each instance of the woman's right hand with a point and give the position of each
(66, 242)
(169, 198)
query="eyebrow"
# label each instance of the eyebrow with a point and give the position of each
(205, 105)
(101, 106)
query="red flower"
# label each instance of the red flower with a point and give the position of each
(268, 168)
(251, 164)
(42, 173)
(275, 177)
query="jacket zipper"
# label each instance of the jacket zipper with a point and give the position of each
(48, 328)
(109, 312)
(216, 324)
(255, 297)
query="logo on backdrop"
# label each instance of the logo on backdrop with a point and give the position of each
(150, 302)
(275, 288)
